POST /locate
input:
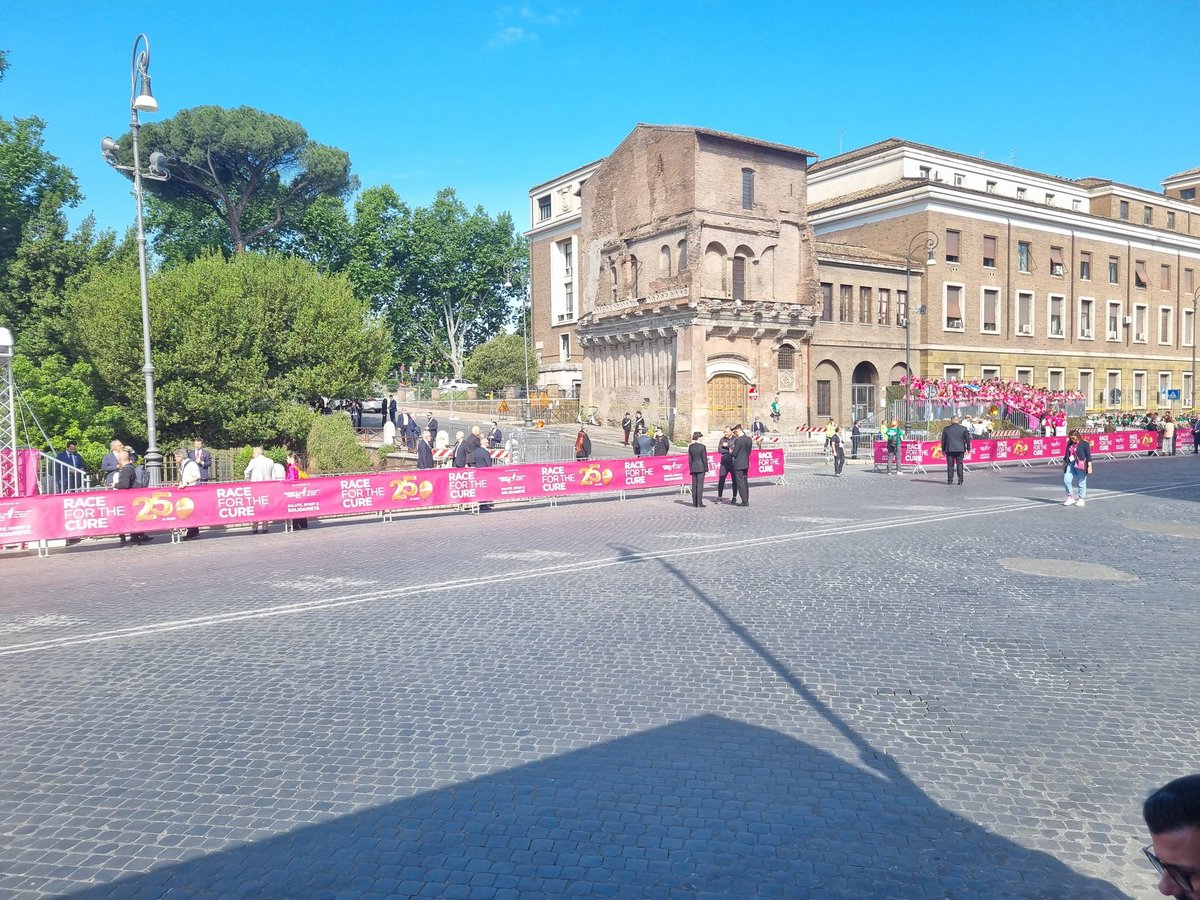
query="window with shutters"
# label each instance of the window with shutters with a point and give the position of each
(747, 189)
(1164, 277)
(739, 278)
(1087, 316)
(826, 302)
(989, 251)
(864, 306)
(1056, 311)
(952, 249)
(990, 311)
(1024, 313)
(885, 307)
(1056, 262)
(1085, 266)
(954, 310)
(1140, 279)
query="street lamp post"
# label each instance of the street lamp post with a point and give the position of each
(142, 100)
(1192, 386)
(528, 418)
(930, 241)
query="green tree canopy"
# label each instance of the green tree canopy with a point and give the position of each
(500, 363)
(32, 181)
(437, 273)
(255, 172)
(236, 343)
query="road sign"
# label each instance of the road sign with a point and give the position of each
(752, 393)
(1173, 394)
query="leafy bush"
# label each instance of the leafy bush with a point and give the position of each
(332, 446)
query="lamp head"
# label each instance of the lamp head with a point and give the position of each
(930, 260)
(108, 149)
(158, 164)
(145, 102)
(6, 344)
(508, 284)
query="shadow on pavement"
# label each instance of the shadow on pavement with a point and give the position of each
(707, 805)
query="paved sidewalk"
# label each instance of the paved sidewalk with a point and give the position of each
(870, 686)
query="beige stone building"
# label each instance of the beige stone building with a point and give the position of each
(1085, 284)
(707, 267)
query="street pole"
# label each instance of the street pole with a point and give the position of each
(526, 312)
(1192, 386)
(930, 243)
(142, 100)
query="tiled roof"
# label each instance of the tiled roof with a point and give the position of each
(893, 142)
(1188, 174)
(854, 251)
(878, 190)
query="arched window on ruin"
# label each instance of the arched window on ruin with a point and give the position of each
(664, 262)
(787, 357)
(683, 262)
(633, 277)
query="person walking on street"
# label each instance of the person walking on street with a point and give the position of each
(661, 445)
(293, 472)
(855, 438)
(626, 426)
(639, 422)
(775, 415)
(583, 443)
(838, 446)
(725, 469)
(109, 464)
(742, 447)
(698, 467)
(956, 443)
(893, 435)
(1077, 466)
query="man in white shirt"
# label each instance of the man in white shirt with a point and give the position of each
(189, 476)
(260, 468)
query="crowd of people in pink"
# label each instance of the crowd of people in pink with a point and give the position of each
(1036, 402)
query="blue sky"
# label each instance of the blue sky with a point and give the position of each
(492, 98)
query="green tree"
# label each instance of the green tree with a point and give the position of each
(237, 343)
(31, 181)
(437, 273)
(60, 395)
(255, 172)
(500, 363)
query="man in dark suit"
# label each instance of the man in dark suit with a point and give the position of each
(70, 473)
(425, 451)
(432, 425)
(956, 443)
(725, 469)
(200, 456)
(742, 445)
(698, 467)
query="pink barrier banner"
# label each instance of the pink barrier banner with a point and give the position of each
(1022, 449)
(95, 513)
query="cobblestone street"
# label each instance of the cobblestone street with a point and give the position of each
(872, 686)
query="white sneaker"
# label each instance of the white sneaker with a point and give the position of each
(1070, 501)
(1079, 503)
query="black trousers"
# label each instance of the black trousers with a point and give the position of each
(697, 488)
(723, 473)
(954, 462)
(839, 460)
(741, 485)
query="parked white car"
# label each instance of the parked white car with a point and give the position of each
(452, 385)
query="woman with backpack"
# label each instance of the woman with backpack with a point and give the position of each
(1077, 466)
